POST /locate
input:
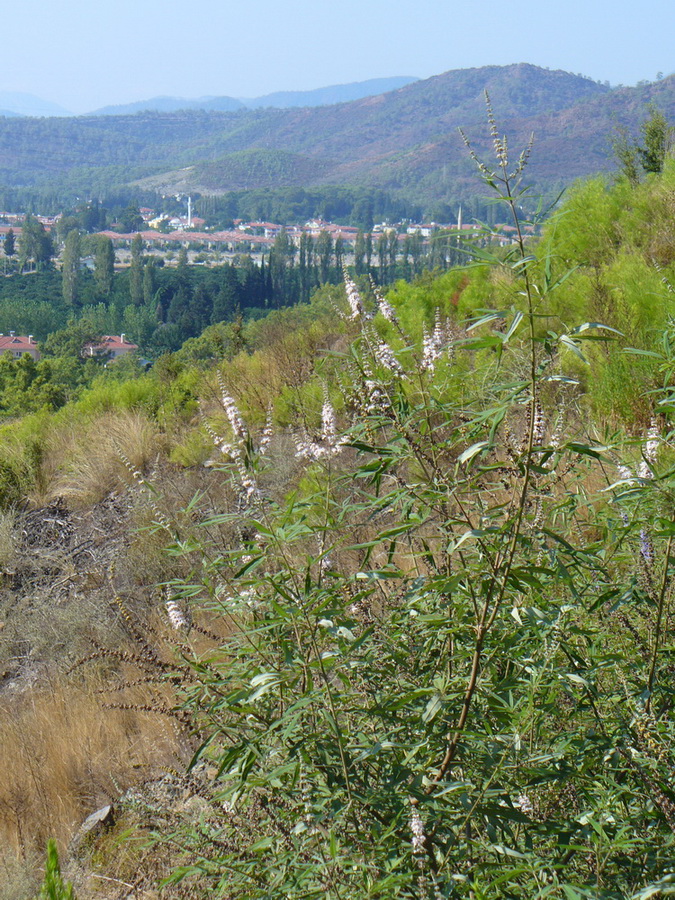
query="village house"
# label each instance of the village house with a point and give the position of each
(110, 346)
(18, 344)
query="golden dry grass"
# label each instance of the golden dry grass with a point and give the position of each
(90, 463)
(9, 538)
(65, 755)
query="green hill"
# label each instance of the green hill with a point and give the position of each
(405, 140)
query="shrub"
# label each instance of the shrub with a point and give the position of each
(445, 670)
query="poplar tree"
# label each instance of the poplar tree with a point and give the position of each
(35, 245)
(382, 255)
(360, 253)
(324, 250)
(104, 266)
(136, 271)
(70, 268)
(339, 253)
(392, 250)
(148, 283)
(369, 250)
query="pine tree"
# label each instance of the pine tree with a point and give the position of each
(658, 140)
(9, 245)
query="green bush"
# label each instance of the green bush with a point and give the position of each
(445, 672)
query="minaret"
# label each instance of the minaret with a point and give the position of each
(459, 220)
(189, 224)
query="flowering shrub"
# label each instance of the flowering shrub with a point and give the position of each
(447, 669)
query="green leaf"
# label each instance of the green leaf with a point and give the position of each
(433, 707)
(517, 319)
(648, 353)
(503, 850)
(567, 342)
(581, 328)
(491, 316)
(471, 451)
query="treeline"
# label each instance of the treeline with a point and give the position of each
(161, 306)
(360, 207)
(357, 206)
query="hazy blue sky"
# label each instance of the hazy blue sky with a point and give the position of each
(88, 53)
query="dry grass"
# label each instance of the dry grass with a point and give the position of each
(88, 464)
(64, 756)
(9, 539)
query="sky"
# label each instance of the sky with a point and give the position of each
(84, 54)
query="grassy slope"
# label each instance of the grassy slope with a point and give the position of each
(611, 235)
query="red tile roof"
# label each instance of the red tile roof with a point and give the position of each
(110, 343)
(17, 342)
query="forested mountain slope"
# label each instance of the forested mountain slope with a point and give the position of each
(405, 140)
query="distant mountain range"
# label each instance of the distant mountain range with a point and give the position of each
(170, 104)
(405, 140)
(340, 93)
(13, 103)
(16, 104)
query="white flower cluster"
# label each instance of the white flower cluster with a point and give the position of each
(377, 400)
(328, 423)
(498, 141)
(557, 432)
(177, 617)
(247, 597)
(383, 305)
(646, 547)
(354, 297)
(539, 429)
(524, 804)
(385, 357)
(327, 444)
(236, 450)
(432, 345)
(417, 829)
(232, 413)
(649, 451)
(266, 436)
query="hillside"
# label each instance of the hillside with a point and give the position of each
(377, 569)
(405, 140)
